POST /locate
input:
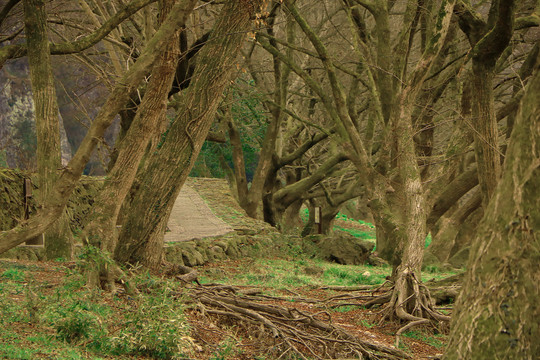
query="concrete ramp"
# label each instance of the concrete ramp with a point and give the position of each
(191, 219)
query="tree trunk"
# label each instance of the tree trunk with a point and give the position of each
(238, 161)
(486, 142)
(58, 237)
(488, 42)
(54, 205)
(497, 311)
(444, 243)
(141, 239)
(151, 112)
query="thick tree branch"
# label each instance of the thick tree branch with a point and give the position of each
(452, 193)
(19, 50)
(6, 9)
(491, 46)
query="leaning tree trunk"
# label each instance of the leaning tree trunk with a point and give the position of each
(58, 236)
(496, 316)
(141, 239)
(101, 231)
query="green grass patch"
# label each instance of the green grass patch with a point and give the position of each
(13, 274)
(283, 273)
(434, 340)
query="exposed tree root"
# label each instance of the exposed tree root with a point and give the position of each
(292, 330)
(409, 301)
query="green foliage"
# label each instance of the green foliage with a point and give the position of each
(77, 320)
(227, 350)
(428, 240)
(357, 233)
(367, 324)
(341, 216)
(352, 275)
(156, 325)
(345, 308)
(249, 117)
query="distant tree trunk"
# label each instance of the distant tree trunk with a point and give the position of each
(264, 175)
(141, 239)
(58, 236)
(488, 155)
(444, 242)
(496, 314)
(488, 41)
(240, 178)
(151, 112)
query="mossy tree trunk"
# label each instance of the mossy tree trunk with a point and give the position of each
(496, 316)
(141, 238)
(58, 237)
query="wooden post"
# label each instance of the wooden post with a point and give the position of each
(39, 240)
(27, 193)
(318, 212)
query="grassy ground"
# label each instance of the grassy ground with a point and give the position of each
(48, 312)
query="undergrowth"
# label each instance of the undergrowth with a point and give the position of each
(72, 321)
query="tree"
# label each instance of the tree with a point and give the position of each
(53, 207)
(141, 238)
(150, 114)
(496, 311)
(488, 41)
(58, 236)
(391, 170)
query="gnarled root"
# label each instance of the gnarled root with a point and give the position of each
(292, 330)
(411, 302)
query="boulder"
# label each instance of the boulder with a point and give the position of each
(345, 249)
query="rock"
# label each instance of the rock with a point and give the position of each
(345, 249)
(233, 252)
(222, 244)
(192, 257)
(215, 253)
(245, 231)
(173, 254)
(375, 260)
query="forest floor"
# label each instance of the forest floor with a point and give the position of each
(47, 312)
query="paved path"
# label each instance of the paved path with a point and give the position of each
(191, 218)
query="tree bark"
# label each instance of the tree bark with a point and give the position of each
(101, 231)
(496, 314)
(58, 237)
(141, 238)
